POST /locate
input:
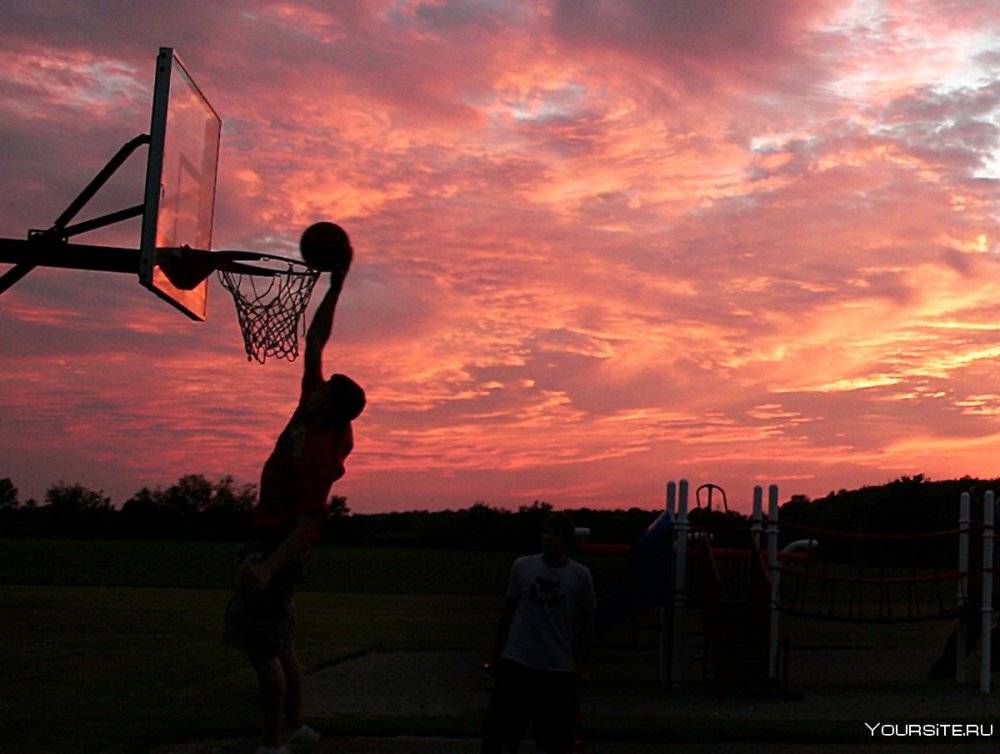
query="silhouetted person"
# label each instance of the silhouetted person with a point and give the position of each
(549, 603)
(295, 485)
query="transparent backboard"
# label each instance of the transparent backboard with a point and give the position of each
(180, 185)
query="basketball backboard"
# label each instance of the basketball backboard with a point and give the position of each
(180, 183)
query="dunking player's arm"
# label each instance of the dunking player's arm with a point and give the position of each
(305, 533)
(320, 329)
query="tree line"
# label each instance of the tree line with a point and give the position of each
(197, 508)
(907, 505)
(192, 508)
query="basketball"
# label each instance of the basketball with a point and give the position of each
(325, 246)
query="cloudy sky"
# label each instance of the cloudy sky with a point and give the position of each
(601, 244)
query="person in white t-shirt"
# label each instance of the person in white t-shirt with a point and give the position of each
(542, 646)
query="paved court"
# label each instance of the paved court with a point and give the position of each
(636, 715)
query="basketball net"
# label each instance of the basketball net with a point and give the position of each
(270, 309)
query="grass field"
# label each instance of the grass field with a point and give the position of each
(116, 646)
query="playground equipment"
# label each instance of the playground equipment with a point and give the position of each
(904, 578)
(741, 583)
(647, 581)
(647, 585)
(673, 567)
(731, 586)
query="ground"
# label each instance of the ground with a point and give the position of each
(831, 695)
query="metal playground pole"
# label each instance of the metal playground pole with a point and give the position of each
(986, 609)
(680, 576)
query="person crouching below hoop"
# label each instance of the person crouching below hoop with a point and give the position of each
(308, 457)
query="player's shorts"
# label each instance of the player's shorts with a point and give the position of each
(261, 622)
(546, 698)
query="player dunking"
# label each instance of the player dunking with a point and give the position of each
(295, 484)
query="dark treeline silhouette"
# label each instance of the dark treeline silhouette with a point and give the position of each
(483, 527)
(193, 508)
(196, 508)
(908, 505)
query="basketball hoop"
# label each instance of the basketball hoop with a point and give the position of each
(270, 300)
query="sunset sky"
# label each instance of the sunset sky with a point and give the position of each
(601, 244)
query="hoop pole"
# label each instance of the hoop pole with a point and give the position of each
(963, 585)
(986, 609)
(680, 577)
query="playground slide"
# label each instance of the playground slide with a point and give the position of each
(649, 571)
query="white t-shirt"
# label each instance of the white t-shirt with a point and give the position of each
(549, 602)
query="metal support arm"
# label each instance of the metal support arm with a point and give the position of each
(49, 248)
(99, 180)
(49, 252)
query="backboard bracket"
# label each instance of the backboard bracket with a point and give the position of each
(60, 231)
(99, 180)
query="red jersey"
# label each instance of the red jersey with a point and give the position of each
(307, 459)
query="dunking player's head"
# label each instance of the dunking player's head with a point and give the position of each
(339, 402)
